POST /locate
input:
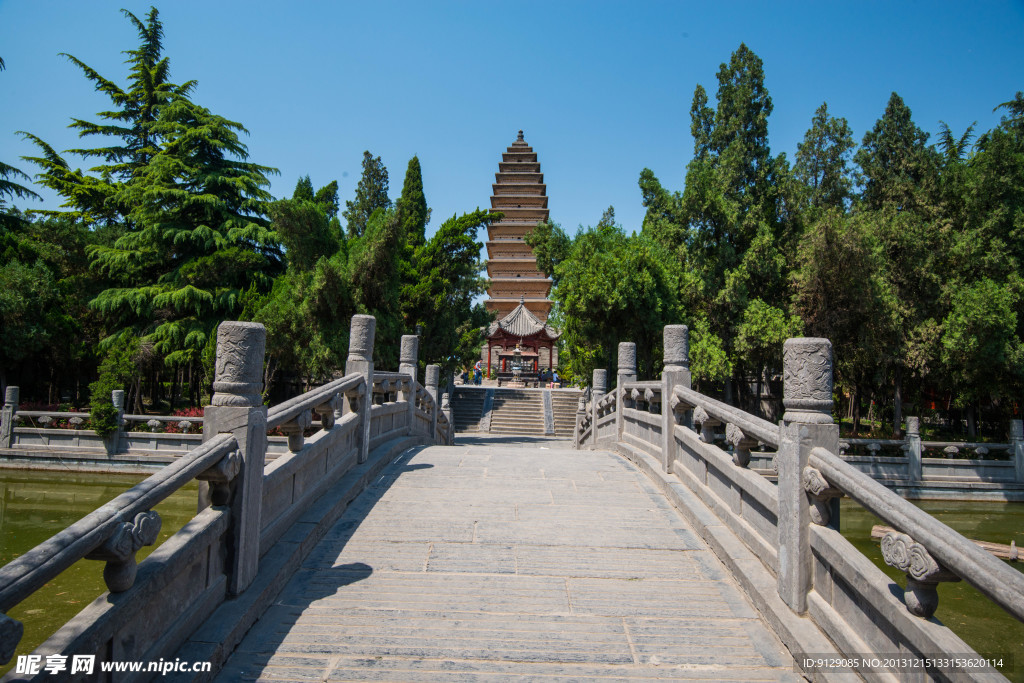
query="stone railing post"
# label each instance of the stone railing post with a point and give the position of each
(581, 413)
(626, 373)
(408, 364)
(360, 359)
(237, 408)
(676, 373)
(433, 378)
(806, 424)
(7, 416)
(112, 442)
(1017, 447)
(446, 408)
(913, 439)
(600, 388)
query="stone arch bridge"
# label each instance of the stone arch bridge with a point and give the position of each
(379, 547)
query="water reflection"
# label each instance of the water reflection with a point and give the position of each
(979, 622)
(35, 505)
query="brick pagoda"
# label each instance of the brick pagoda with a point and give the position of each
(519, 290)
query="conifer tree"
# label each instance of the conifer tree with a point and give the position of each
(412, 206)
(371, 194)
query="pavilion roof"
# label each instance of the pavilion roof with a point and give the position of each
(520, 322)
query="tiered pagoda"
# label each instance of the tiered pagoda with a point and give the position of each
(519, 290)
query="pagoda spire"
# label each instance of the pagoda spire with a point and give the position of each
(520, 195)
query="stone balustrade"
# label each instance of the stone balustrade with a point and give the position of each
(780, 538)
(248, 504)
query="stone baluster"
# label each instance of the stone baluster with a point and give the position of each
(741, 444)
(707, 424)
(433, 378)
(7, 416)
(600, 384)
(295, 430)
(1017, 448)
(237, 408)
(626, 373)
(119, 550)
(11, 632)
(923, 572)
(408, 364)
(676, 373)
(914, 450)
(328, 410)
(806, 424)
(112, 441)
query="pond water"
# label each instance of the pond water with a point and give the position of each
(972, 616)
(36, 505)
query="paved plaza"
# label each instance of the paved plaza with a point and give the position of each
(516, 560)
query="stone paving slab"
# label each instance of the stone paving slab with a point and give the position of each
(510, 563)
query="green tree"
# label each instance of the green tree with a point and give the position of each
(613, 287)
(896, 166)
(412, 206)
(371, 194)
(822, 161)
(550, 247)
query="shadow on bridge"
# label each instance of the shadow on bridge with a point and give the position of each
(470, 439)
(314, 583)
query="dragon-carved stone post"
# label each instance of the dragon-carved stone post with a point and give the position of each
(600, 388)
(408, 364)
(237, 408)
(360, 360)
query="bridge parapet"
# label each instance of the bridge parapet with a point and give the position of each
(787, 532)
(247, 504)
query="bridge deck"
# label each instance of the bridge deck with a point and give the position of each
(490, 562)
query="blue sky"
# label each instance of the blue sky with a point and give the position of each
(601, 89)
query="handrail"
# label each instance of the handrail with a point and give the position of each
(48, 413)
(1001, 583)
(647, 384)
(762, 430)
(30, 572)
(293, 407)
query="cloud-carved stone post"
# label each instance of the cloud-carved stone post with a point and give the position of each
(676, 372)
(237, 408)
(806, 424)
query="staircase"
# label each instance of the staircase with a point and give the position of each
(517, 411)
(468, 409)
(563, 405)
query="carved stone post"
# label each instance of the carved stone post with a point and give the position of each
(7, 416)
(913, 438)
(360, 359)
(408, 364)
(626, 373)
(581, 413)
(112, 442)
(1017, 447)
(237, 408)
(446, 408)
(600, 388)
(433, 378)
(806, 424)
(676, 373)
